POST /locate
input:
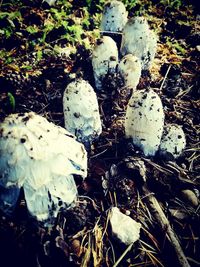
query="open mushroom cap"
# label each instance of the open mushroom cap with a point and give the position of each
(39, 156)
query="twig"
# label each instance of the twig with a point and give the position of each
(164, 225)
(197, 263)
(118, 33)
(1, 2)
(162, 84)
(100, 153)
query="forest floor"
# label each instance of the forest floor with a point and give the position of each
(33, 76)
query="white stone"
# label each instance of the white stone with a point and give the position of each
(43, 158)
(145, 120)
(114, 16)
(139, 40)
(198, 48)
(81, 111)
(130, 69)
(104, 59)
(173, 141)
(124, 227)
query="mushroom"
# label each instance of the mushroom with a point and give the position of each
(139, 40)
(145, 120)
(104, 59)
(130, 69)
(42, 158)
(173, 141)
(81, 111)
(114, 16)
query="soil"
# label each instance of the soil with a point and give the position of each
(82, 236)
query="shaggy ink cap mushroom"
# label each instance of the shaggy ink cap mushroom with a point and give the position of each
(104, 59)
(139, 40)
(145, 120)
(130, 70)
(114, 16)
(42, 158)
(81, 111)
(173, 141)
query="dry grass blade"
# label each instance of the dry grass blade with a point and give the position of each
(152, 238)
(97, 246)
(149, 253)
(87, 255)
(167, 72)
(123, 255)
(158, 167)
(145, 264)
(146, 245)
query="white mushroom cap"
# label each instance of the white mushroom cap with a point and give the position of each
(104, 59)
(114, 16)
(40, 156)
(130, 69)
(124, 227)
(81, 111)
(139, 40)
(145, 120)
(173, 141)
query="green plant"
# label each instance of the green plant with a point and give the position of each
(130, 4)
(174, 44)
(172, 3)
(11, 100)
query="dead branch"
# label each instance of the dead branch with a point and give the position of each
(164, 225)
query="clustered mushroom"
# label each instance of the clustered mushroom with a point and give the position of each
(139, 44)
(43, 158)
(144, 121)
